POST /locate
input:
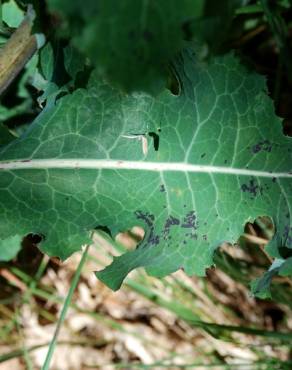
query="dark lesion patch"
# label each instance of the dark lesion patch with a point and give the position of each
(252, 188)
(192, 236)
(148, 218)
(190, 221)
(162, 188)
(262, 146)
(169, 223)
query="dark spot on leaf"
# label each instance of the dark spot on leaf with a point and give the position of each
(170, 222)
(148, 218)
(252, 188)
(203, 155)
(145, 216)
(153, 239)
(190, 221)
(274, 179)
(162, 188)
(264, 146)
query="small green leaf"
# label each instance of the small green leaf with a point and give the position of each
(12, 15)
(47, 61)
(261, 287)
(74, 61)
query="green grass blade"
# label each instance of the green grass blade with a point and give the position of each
(187, 315)
(66, 305)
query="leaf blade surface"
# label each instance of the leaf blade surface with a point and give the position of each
(221, 161)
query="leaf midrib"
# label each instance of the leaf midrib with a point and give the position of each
(135, 165)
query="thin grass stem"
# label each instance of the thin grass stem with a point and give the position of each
(66, 305)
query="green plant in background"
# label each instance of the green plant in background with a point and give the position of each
(132, 42)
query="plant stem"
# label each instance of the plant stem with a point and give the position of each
(66, 305)
(20, 352)
(25, 352)
(258, 365)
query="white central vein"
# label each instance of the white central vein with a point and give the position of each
(99, 164)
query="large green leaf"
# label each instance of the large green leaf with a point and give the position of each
(138, 38)
(216, 159)
(128, 38)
